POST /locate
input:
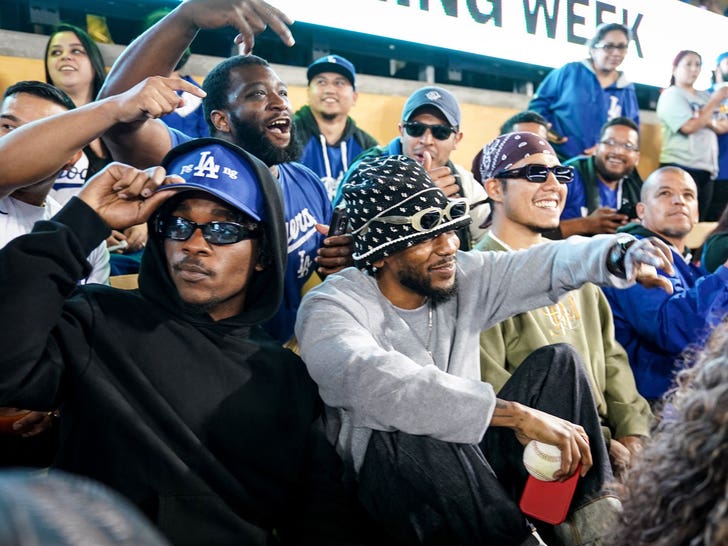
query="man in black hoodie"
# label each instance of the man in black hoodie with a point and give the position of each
(172, 394)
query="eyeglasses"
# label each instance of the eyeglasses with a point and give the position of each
(417, 129)
(612, 47)
(539, 173)
(426, 219)
(217, 233)
(626, 146)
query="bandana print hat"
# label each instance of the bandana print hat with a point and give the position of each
(383, 198)
(509, 149)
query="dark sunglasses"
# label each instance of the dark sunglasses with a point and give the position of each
(217, 233)
(539, 173)
(417, 129)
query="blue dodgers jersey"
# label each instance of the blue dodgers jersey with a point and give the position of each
(305, 203)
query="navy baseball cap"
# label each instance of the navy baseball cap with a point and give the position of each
(219, 168)
(332, 63)
(435, 96)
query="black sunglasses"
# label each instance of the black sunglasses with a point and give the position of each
(217, 233)
(417, 129)
(539, 173)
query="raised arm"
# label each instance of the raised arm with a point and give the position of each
(60, 136)
(156, 53)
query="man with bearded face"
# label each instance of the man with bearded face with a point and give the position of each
(396, 361)
(246, 104)
(606, 185)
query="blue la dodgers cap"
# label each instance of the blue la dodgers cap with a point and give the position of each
(220, 168)
(332, 63)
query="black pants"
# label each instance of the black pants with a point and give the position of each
(425, 491)
(705, 183)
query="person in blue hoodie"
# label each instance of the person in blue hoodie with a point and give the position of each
(330, 138)
(653, 326)
(581, 96)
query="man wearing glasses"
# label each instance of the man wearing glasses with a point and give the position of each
(606, 185)
(396, 357)
(429, 132)
(578, 98)
(524, 207)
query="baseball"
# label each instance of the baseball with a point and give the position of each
(541, 460)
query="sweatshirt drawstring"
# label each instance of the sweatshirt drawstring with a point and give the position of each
(325, 154)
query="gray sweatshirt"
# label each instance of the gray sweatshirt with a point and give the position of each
(372, 366)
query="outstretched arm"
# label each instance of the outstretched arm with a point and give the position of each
(156, 53)
(63, 135)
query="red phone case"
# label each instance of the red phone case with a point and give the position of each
(548, 501)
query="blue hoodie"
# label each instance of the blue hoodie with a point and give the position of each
(654, 327)
(572, 99)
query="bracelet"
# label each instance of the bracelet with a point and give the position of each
(615, 260)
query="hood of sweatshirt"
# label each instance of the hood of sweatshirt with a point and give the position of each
(264, 288)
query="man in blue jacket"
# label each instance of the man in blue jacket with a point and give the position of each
(578, 98)
(653, 326)
(330, 138)
(606, 186)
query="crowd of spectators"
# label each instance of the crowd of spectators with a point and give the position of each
(269, 382)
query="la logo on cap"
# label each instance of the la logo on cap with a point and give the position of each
(331, 59)
(433, 95)
(207, 168)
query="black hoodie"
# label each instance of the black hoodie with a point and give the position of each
(206, 426)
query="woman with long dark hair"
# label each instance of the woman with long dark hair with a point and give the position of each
(74, 64)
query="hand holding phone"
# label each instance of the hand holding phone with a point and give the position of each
(339, 222)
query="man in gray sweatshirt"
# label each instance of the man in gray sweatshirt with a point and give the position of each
(393, 346)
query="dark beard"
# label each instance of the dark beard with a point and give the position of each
(605, 174)
(252, 139)
(328, 117)
(423, 286)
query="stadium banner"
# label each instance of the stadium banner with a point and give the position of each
(546, 33)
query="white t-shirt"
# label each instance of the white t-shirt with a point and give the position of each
(17, 218)
(70, 181)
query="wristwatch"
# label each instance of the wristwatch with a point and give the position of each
(615, 260)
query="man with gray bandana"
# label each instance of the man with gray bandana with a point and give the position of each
(397, 361)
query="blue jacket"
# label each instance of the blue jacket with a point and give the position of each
(329, 164)
(573, 100)
(654, 327)
(587, 193)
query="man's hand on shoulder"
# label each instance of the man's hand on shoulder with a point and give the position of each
(124, 196)
(644, 257)
(334, 253)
